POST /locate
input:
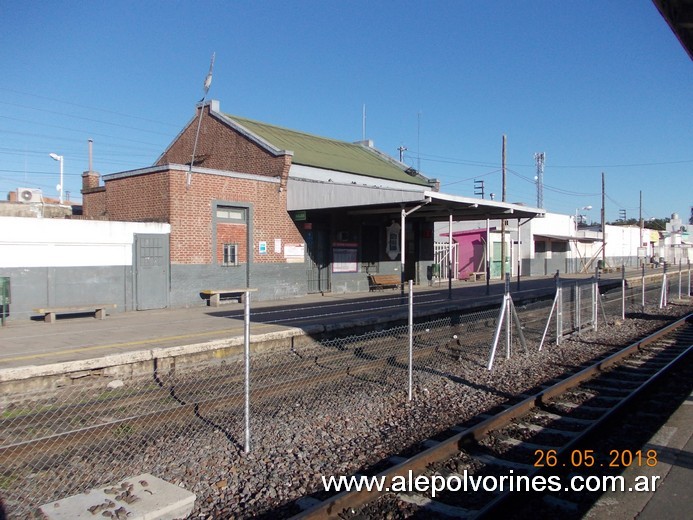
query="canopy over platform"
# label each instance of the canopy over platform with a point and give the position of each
(371, 200)
(567, 238)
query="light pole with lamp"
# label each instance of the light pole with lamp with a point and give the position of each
(577, 216)
(59, 158)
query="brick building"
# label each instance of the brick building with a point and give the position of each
(279, 210)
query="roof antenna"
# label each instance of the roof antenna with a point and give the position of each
(207, 84)
(363, 123)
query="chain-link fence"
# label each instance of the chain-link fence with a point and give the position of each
(581, 304)
(642, 289)
(79, 438)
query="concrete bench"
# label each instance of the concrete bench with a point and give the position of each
(99, 310)
(476, 276)
(381, 281)
(215, 295)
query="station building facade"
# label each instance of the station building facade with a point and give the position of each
(279, 210)
(234, 203)
(266, 207)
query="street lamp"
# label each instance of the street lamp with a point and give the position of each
(59, 158)
(577, 216)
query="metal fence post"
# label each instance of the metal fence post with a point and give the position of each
(578, 310)
(559, 312)
(679, 278)
(411, 337)
(548, 321)
(595, 296)
(246, 351)
(642, 279)
(508, 336)
(623, 291)
(496, 335)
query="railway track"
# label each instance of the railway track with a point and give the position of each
(53, 428)
(538, 436)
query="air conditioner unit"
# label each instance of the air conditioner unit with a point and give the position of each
(29, 195)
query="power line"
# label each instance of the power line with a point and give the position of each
(454, 160)
(52, 137)
(105, 110)
(471, 178)
(118, 125)
(553, 188)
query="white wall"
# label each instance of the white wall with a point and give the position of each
(622, 241)
(551, 224)
(43, 242)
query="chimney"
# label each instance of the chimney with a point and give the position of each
(90, 179)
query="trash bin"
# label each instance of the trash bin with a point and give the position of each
(433, 273)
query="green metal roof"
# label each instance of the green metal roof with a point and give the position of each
(330, 154)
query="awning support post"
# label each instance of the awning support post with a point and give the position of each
(405, 213)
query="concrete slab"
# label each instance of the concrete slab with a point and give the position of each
(144, 497)
(672, 474)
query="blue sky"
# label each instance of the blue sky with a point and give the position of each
(597, 86)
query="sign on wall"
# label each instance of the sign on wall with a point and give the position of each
(344, 258)
(294, 253)
(392, 243)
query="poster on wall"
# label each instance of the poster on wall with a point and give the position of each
(344, 258)
(294, 253)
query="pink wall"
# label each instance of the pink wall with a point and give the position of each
(470, 249)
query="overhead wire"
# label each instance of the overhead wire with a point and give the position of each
(98, 109)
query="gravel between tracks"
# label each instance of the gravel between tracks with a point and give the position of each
(347, 427)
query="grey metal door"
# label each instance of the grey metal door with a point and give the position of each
(151, 271)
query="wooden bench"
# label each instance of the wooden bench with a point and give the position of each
(99, 310)
(215, 295)
(381, 281)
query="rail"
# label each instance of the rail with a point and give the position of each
(450, 447)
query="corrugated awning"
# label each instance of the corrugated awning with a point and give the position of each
(304, 194)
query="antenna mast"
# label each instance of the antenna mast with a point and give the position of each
(539, 158)
(363, 123)
(207, 84)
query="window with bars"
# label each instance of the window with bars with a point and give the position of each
(230, 254)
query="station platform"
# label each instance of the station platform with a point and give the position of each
(672, 497)
(33, 348)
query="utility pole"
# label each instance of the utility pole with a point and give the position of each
(603, 225)
(402, 149)
(539, 158)
(503, 220)
(642, 226)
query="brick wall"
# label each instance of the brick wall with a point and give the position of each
(232, 234)
(221, 147)
(164, 196)
(192, 216)
(139, 198)
(94, 202)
